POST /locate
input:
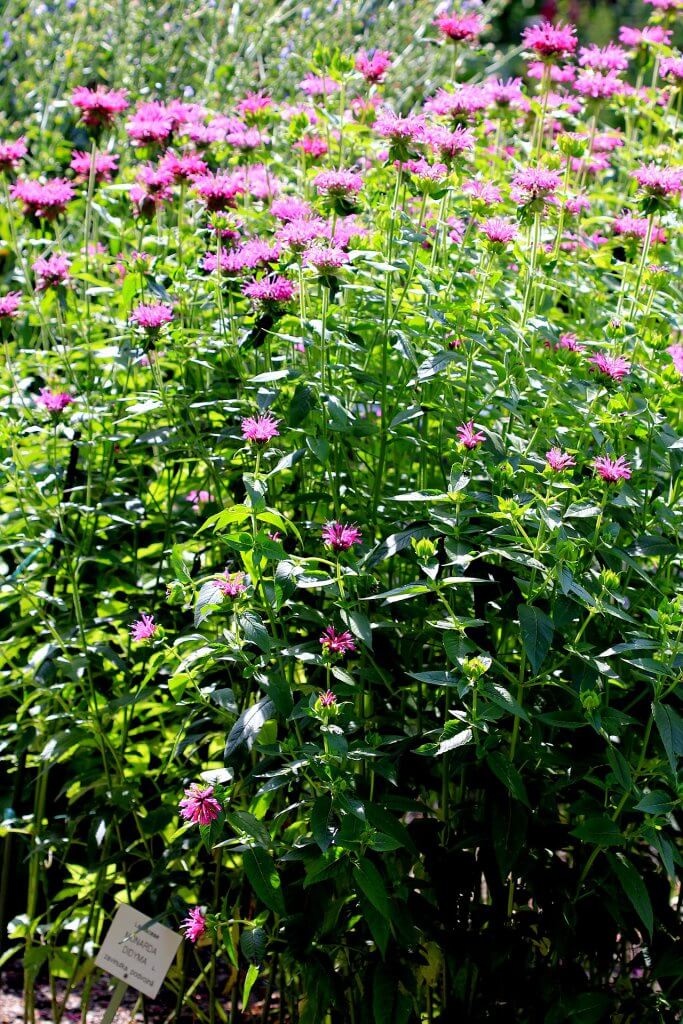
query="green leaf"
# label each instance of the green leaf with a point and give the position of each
(635, 888)
(600, 830)
(253, 945)
(321, 829)
(460, 739)
(385, 822)
(178, 565)
(209, 597)
(395, 543)
(251, 976)
(224, 698)
(359, 625)
(436, 678)
(320, 448)
(229, 516)
(248, 725)
(254, 631)
(389, 1004)
(210, 834)
(508, 775)
(378, 925)
(351, 805)
(504, 699)
(620, 768)
(371, 884)
(281, 696)
(657, 803)
(670, 728)
(537, 634)
(262, 874)
(247, 824)
(300, 405)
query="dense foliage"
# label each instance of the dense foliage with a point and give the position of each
(341, 511)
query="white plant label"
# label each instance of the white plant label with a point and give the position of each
(136, 951)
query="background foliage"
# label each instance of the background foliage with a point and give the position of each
(487, 822)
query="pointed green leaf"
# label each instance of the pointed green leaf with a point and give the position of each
(537, 634)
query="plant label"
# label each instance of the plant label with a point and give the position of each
(137, 950)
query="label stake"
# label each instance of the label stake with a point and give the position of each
(115, 1001)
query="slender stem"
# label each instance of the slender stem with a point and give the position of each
(643, 261)
(384, 425)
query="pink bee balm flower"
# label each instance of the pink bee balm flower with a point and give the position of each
(325, 257)
(612, 470)
(270, 291)
(651, 34)
(548, 40)
(396, 128)
(615, 367)
(43, 200)
(194, 925)
(373, 68)
(198, 498)
(327, 699)
(245, 138)
(336, 643)
(597, 86)
(9, 305)
(346, 229)
(231, 584)
(319, 85)
(636, 227)
(260, 429)
(449, 144)
(671, 67)
(254, 103)
(508, 93)
(499, 231)
(150, 124)
(460, 27)
(603, 58)
(11, 154)
(298, 234)
(219, 191)
(536, 183)
(51, 271)
(152, 317)
(559, 460)
(183, 167)
(569, 342)
(106, 164)
(144, 628)
(464, 101)
(338, 183)
(341, 536)
(184, 113)
(676, 353)
(153, 187)
(558, 73)
(248, 256)
(54, 401)
(659, 181)
(99, 106)
(289, 208)
(199, 805)
(575, 204)
(469, 435)
(484, 191)
(426, 173)
(607, 142)
(312, 145)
